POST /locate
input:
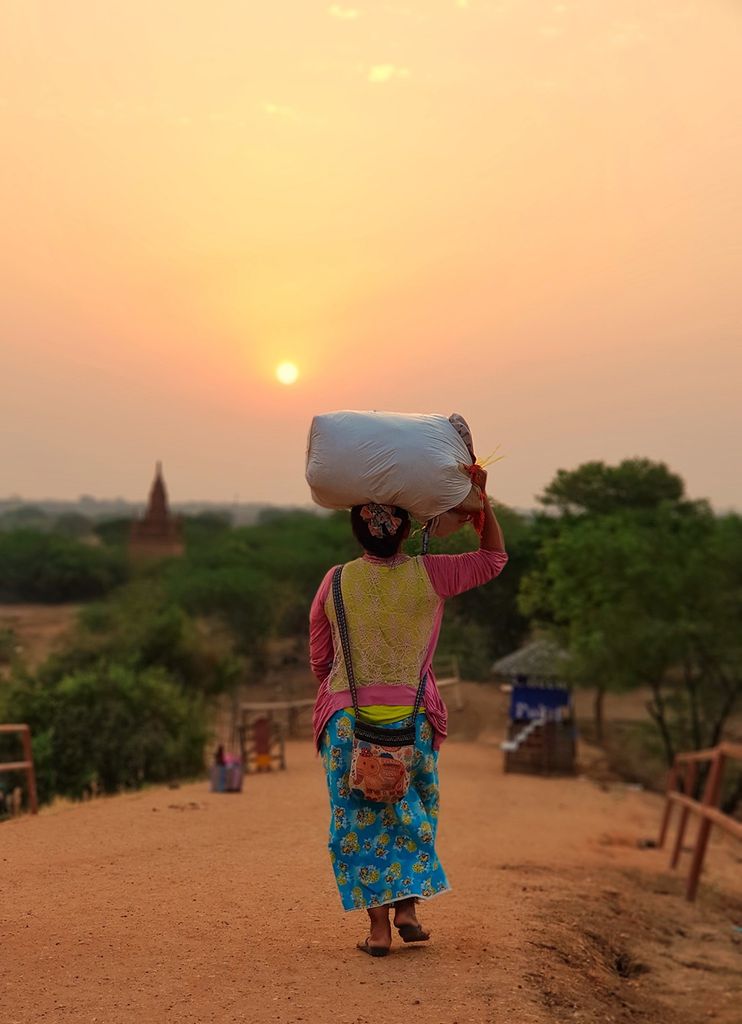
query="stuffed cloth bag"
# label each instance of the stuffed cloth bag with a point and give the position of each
(418, 462)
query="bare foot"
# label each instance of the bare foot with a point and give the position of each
(405, 913)
(406, 922)
(380, 932)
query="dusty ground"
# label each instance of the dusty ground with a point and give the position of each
(185, 907)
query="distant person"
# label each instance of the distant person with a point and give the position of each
(383, 854)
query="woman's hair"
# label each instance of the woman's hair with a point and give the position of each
(379, 529)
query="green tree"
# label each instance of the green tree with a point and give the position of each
(25, 517)
(597, 489)
(73, 524)
(204, 526)
(638, 486)
(142, 627)
(261, 579)
(650, 602)
(113, 532)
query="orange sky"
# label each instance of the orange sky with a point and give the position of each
(529, 212)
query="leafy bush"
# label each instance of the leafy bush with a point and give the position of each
(238, 595)
(50, 568)
(114, 532)
(8, 645)
(25, 517)
(204, 526)
(261, 579)
(142, 627)
(469, 643)
(113, 726)
(73, 524)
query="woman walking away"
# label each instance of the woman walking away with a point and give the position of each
(374, 626)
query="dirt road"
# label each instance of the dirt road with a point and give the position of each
(185, 907)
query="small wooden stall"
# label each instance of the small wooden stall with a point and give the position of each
(263, 728)
(541, 731)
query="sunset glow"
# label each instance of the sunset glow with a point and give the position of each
(527, 212)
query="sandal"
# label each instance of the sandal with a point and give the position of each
(412, 933)
(366, 947)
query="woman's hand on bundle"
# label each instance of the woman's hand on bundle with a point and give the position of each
(479, 477)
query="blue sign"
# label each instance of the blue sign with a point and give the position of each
(529, 702)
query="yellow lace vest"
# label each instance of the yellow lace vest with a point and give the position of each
(390, 613)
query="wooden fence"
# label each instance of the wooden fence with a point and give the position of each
(681, 785)
(26, 765)
(287, 712)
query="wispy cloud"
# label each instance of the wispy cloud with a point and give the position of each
(380, 74)
(277, 110)
(344, 13)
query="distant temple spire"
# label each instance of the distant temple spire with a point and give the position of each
(158, 534)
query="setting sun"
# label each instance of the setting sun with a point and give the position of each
(287, 373)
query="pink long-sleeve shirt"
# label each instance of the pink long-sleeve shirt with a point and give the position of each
(449, 575)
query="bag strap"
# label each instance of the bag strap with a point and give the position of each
(426, 539)
(337, 598)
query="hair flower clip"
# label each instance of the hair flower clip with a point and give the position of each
(380, 518)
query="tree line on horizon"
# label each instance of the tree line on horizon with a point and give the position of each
(638, 584)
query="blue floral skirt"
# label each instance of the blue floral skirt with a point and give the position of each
(382, 853)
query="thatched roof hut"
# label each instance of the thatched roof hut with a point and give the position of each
(539, 663)
(541, 732)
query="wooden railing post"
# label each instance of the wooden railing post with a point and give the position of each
(711, 796)
(707, 809)
(672, 781)
(33, 802)
(689, 781)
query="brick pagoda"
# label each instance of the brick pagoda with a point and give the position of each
(158, 534)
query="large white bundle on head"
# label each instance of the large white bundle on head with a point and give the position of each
(412, 460)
